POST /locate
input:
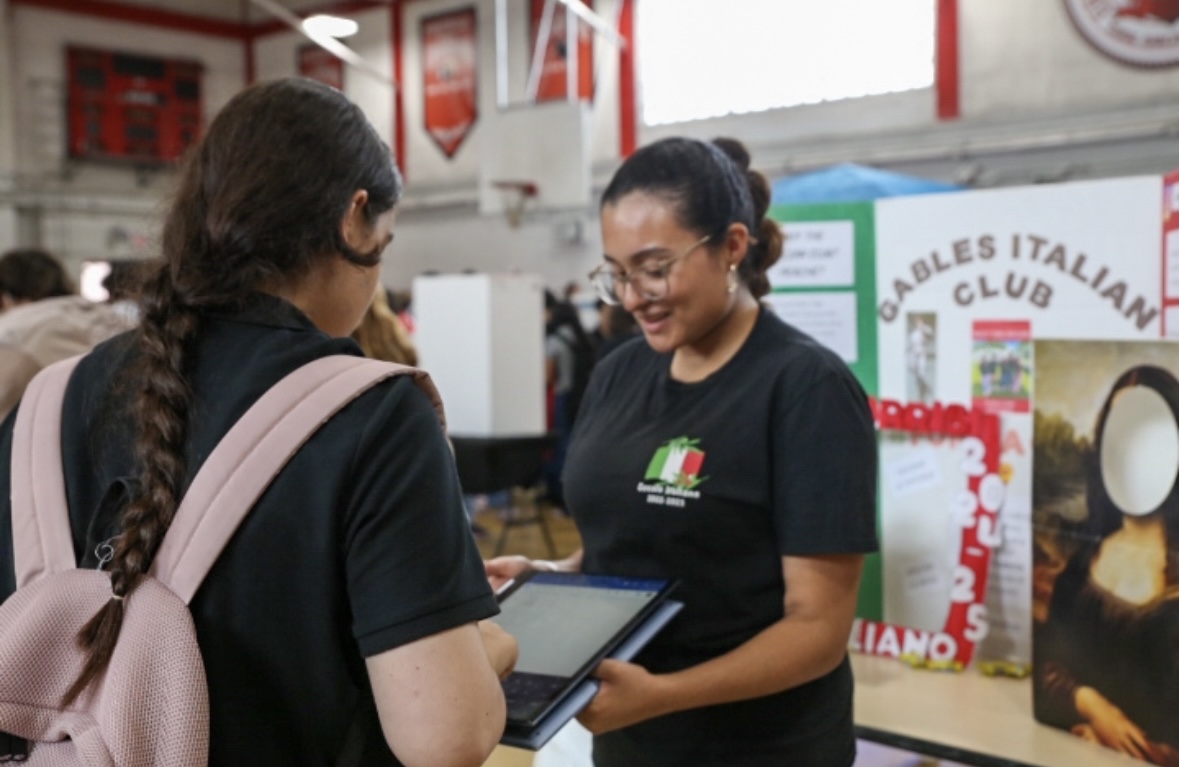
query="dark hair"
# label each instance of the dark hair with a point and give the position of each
(125, 278)
(1105, 516)
(259, 202)
(711, 186)
(31, 274)
(564, 314)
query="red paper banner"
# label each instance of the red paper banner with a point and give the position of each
(555, 70)
(449, 64)
(976, 433)
(318, 64)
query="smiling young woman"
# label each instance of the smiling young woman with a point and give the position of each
(733, 453)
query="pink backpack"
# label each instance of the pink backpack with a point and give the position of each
(151, 705)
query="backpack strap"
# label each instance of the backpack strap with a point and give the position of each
(41, 539)
(254, 451)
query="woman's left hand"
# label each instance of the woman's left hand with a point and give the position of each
(627, 694)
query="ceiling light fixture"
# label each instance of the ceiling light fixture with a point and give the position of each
(330, 26)
(328, 43)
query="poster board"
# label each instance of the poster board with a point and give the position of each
(1077, 260)
(1106, 535)
(824, 283)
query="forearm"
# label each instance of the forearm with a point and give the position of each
(761, 666)
(439, 700)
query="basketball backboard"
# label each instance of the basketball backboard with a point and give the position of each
(546, 145)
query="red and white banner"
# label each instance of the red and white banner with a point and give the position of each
(318, 64)
(974, 510)
(554, 74)
(449, 67)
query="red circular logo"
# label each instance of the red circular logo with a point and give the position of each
(1141, 33)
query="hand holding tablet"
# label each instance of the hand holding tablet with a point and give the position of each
(566, 623)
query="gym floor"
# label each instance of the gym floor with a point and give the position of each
(526, 537)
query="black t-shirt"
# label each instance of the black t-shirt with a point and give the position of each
(360, 545)
(712, 483)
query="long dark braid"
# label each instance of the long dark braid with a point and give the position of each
(258, 204)
(167, 328)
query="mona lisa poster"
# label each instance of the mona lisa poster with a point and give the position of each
(1105, 500)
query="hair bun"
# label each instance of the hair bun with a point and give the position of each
(734, 149)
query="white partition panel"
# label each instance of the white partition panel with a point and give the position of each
(481, 338)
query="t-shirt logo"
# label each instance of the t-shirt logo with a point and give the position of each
(677, 464)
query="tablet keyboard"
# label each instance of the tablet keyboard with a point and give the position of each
(528, 694)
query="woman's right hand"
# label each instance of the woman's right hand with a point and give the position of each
(502, 570)
(502, 648)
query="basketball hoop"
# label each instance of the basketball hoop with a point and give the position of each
(515, 194)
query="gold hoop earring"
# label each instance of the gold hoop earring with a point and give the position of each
(732, 278)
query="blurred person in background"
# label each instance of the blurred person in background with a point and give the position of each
(43, 321)
(381, 333)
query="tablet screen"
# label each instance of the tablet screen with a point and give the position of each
(565, 623)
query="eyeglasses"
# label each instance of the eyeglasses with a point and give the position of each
(650, 282)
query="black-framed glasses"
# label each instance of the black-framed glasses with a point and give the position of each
(650, 282)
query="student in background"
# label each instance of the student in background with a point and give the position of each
(731, 452)
(43, 321)
(569, 360)
(347, 609)
(381, 334)
(17, 368)
(31, 274)
(618, 326)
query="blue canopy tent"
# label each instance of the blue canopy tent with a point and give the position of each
(848, 182)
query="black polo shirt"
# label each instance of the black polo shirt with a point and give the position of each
(712, 483)
(360, 545)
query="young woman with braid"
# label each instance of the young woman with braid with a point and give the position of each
(732, 452)
(352, 597)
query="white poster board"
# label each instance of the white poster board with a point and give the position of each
(1077, 261)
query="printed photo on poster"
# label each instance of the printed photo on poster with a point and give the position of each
(449, 68)
(319, 64)
(1106, 537)
(555, 59)
(1001, 366)
(920, 356)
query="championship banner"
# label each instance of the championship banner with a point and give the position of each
(318, 64)
(449, 60)
(554, 72)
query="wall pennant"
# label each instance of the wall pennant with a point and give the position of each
(317, 64)
(553, 84)
(449, 69)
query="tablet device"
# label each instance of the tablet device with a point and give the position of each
(571, 705)
(566, 623)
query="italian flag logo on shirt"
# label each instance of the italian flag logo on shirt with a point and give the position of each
(677, 463)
